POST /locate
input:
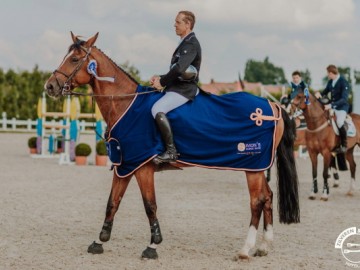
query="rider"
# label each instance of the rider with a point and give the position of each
(339, 89)
(296, 83)
(178, 89)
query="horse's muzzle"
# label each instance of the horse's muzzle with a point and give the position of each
(52, 89)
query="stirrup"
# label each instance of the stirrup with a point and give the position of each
(166, 157)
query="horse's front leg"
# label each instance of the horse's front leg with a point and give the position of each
(119, 186)
(145, 179)
(256, 181)
(326, 190)
(314, 189)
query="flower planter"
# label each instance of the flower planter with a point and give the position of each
(101, 160)
(80, 160)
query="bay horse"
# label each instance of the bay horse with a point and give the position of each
(113, 99)
(321, 139)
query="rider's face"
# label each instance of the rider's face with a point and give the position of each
(182, 27)
(296, 79)
(331, 76)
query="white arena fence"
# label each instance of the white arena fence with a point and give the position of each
(17, 125)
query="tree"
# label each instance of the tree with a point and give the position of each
(306, 76)
(357, 76)
(346, 72)
(264, 72)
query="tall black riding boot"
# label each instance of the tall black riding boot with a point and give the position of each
(170, 155)
(343, 139)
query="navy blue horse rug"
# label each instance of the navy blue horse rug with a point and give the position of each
(233, 131)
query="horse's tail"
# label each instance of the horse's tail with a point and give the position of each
(288, 198)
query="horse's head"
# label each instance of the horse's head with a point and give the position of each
(301, 98)
(72, 71)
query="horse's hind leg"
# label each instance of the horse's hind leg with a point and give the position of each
(145, 178)
(350, 159)
(268, 222)
(334, 172)
(119, 186)
(256, 183)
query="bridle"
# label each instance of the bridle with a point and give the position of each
(299, 111)
(66, 89)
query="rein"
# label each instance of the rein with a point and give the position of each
(72, 93)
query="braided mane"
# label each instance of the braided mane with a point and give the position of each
(80, 43)
(112, 61)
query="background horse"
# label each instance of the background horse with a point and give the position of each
(321, 139)
(300, 140)
(113, 99)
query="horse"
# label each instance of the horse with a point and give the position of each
(321, 139)
(114, 98)
(301, 130)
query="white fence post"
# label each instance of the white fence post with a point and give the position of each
(29, 124)
(13, 123)
(4, 121)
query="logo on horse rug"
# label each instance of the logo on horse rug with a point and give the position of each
(233, 131)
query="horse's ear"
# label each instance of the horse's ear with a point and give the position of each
(74, 38)
(91, 41)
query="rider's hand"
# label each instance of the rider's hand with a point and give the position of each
(317, 95)
(156, 83)
(327, 107)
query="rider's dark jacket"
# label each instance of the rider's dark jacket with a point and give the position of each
(339, 94)
(187, 53)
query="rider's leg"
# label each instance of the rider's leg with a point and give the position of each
(340, 120)
(167, 103)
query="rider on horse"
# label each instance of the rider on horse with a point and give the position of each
(180, 82)
(339, 89)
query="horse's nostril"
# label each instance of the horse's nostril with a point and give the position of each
(49, 86)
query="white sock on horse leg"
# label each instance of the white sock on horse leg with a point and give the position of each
(154, 246)
(250, 240)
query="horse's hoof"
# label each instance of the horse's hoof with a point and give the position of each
(350, 194)
(312, 197)
(95, 248)
(260, 253)
(149, 253)
(335, 185)
(325, 199)
(242, 257)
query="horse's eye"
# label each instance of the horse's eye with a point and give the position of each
(74, 59)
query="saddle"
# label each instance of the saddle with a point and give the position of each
(349, 125)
